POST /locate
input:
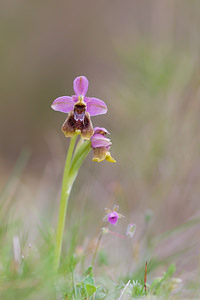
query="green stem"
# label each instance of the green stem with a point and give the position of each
(66, 188)
(97, 247)
(78, 144)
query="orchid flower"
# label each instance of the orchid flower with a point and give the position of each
(112, 215)
(79, 109)
(101, 145)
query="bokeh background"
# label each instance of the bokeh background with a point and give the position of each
(142, 58)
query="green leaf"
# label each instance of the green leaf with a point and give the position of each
(163, 283)
(88, 280)
(100, 293)
(89, 271)
(91, 289)
(73, 262)
(170, 271)
(78, 159)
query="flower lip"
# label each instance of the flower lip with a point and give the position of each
(74, 124)
(113, 217)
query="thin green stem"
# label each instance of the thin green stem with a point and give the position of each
(66, 188)
(78, 144)
(74, 286)
(97, 247)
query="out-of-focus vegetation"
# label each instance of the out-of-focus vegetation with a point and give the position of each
(142, 59)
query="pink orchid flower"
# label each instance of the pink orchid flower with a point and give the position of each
(79, 109)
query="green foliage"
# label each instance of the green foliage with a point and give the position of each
(79, 157)
(73, 262)
(29, 274)
(102, 258)
(162, 286)
(136, 289)
(32, 276)
(86, 287)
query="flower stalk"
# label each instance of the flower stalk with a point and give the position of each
(72, 166)
(66, 188)
(97, 247)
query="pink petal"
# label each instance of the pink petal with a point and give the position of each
(95, 106)
(64, 104)
(98, 140)
(113, 217)
(80, 86)
(99, 129)
(75, 98)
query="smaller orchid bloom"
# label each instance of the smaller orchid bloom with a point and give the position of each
(112, 215)
(130, 231)
(101, 145)
(79, 109)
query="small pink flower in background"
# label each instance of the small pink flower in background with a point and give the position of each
(130, 231)
(112, 216)
(79, 109)
(101, 145)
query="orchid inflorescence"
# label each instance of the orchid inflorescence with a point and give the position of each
(79, 109)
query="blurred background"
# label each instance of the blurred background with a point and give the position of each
(142, 58)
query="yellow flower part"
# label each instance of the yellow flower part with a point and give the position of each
(101, 153)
